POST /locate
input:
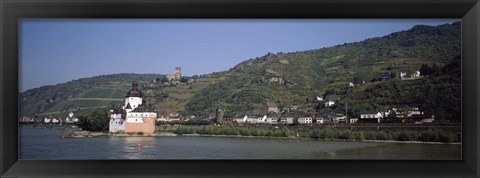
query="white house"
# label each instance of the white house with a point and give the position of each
(46, 120)
(319, 98)
(71, 118)
(416, 74)
(262, 119)
(340, 119)
(286, 120)
(241, 120)
(320, 120)
(174, 118)
(55, 120)
(407, 111)
(252, 120)
(163, 118)
(353, 120)
(371, 115)
(351, 84)
(329, 103)
(403, 74)
(305, 120)
(272, 120)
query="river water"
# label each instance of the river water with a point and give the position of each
(46, 143)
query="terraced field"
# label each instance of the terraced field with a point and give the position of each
(95, 97)
(180, 95)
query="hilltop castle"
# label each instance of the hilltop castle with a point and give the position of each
(134, 116)
(176, 76)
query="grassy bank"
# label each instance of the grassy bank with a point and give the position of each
(430, 135)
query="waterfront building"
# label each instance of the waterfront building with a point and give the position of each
(286, 120)
(305, 120)
(135, 115)
(353, 120)
(320, 120)
(272, 120)
(71, 118)
(117, 122)
(241, 120)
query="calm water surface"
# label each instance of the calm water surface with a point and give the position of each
(46, 143)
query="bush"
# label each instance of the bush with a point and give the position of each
(140, 133)
(370, 135)
(96, 120)
(69, 134)
(382, 135)
(361, 136)
(347, 134)
(286, 133)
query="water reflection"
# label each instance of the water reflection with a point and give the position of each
(138, 147)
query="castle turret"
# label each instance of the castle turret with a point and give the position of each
(133, 99)
(219, 115)
(178, 73)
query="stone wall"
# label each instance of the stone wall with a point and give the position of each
(147, 127)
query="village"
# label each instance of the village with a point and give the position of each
(135, 116)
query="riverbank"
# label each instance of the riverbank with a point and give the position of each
(402, 135)
(88, 134)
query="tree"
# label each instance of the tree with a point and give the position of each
(392, 115)
(96, 120)
(295, 121)
(425, 69)
(357, 80)
(184, 79)
(165, 79)
(392, 75)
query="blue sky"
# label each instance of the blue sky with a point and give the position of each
(54, 51)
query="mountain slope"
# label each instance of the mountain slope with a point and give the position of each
(55, 99)
(289, 78)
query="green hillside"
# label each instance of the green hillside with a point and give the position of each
(86, 94)
(289, 78)
(79, 95)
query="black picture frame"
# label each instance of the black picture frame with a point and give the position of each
(11, 11)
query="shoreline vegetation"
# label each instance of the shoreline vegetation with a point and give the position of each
(428, 136)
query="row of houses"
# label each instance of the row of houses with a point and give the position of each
(413, 76)
(396, 113)
(70, 119)
(264, 119)
(289, 120)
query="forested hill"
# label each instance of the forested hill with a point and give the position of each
(289, 78)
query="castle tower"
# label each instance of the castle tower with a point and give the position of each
(178, 73)
(133, 99)
(219, 115)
